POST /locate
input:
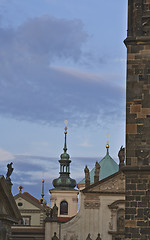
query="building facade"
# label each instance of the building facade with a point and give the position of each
(32, 223)
(101, 213)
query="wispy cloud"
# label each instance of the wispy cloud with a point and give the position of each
(5, 156)
(85, 143)
(82, 75)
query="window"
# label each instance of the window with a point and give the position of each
(26, 220)
(63, 208)
(20, 204)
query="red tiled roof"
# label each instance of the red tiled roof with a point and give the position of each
(33, 198)
(28, 196)
(64, 219)
(27, 229)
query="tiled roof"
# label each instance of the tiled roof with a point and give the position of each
(108, 167)
(27, 229)
(64, 219)
(28, 197)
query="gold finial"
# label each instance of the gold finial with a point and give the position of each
(66, 126)
(107, 144)
(20, 189)
(42, 180)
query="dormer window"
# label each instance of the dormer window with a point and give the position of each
(20, 204)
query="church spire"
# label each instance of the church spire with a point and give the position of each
(42, 189)
(64, 181)
(42, 200)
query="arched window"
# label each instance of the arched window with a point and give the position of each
(120, 220)
(63, 208)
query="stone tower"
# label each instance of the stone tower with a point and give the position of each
(137, 170)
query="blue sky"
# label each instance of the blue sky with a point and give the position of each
(60, 60)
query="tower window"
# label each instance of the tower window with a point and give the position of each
(63, 208)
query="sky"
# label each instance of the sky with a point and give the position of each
(60, 60)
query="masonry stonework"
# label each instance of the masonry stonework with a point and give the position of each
(137, 170)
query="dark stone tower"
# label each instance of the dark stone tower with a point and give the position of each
(137, 170)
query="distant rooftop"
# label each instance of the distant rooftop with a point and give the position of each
(108, 167)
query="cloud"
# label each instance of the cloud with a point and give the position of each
(85, 143)
(82, 75)
(5, 156)
(34, 89)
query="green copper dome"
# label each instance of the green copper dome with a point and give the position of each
(64, 181)
(108, 167)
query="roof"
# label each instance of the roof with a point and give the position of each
(28, 197)
(27, 229)
(88, 189)
(64, 219)
(108, 167)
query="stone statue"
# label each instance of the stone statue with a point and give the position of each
(51, 213)
(121, 156)
(55, 237)
(74, 237)
(55, 212)
(98, 237)
(121, 223)
(9, 170)
(97, 171)
(89, 237)
(65, 237)
(87, 176)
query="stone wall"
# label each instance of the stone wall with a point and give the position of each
(138, 104)
(137, 212)
(137, 205)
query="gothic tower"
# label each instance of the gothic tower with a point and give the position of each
(63, 194)
(137, 170)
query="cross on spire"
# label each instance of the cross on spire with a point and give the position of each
(20, 189)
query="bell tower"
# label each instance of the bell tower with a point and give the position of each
(63, 194)
(137, 170)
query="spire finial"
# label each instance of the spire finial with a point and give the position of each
(20, 189)
(42, 195)
(42, 188)
(65, 132)
(107, 144)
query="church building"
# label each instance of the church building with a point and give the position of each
(101, 197)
